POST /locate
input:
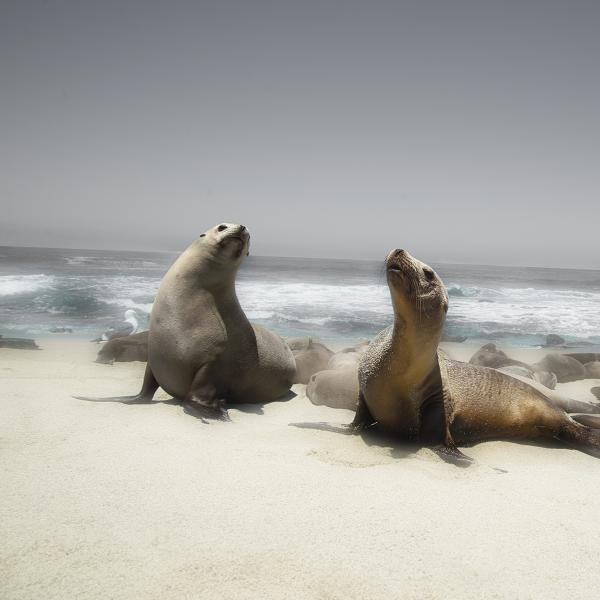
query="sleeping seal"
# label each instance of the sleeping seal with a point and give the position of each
(411, 389)
(201, 347)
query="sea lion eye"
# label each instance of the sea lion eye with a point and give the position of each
(221, 227)
(429, 274)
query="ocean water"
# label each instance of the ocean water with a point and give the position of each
(335, 300)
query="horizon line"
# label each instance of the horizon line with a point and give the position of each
(437, 262)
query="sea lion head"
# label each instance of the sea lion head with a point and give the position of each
(418, 294)
(226, 244)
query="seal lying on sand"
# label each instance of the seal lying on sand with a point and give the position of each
(201, 347)
(410, 389)
(125, 349)
(310, 359)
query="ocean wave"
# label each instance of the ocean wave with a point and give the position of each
(144, 307)
(12, 285)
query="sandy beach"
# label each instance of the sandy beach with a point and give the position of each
(105, 500)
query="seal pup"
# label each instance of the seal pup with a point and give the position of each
(410, 389)
(201, 347)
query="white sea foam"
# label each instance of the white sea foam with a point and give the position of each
(11, 285)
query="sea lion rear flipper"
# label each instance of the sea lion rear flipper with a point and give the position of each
(592, 421)
(149, 387)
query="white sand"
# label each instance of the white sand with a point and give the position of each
(135, 502)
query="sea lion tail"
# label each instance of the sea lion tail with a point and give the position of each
(324, 426)
(139, 399)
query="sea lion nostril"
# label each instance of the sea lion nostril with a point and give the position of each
(242, 228)
(221, 227)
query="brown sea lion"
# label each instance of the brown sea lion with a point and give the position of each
(411, 390)
(201, 347)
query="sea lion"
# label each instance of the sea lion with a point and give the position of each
(342, 360)
(584, 357)
(336, 388)
(566, 368)
(313, 358)
(491, 356)
(545, 378)
(125, 349)
(410, 389)
(592, 370)
(297, 344)
(201, 347)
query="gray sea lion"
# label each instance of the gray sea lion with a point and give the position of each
(18, 343)
(125, 349)
(409, 389)
(491, 356)
(545, 378)
(564, 367)
(360, 347)
(592, 370)
(341, 360)
(584, 357)
(201, 347)
(336, 388)
(297, 344)
(313, 358)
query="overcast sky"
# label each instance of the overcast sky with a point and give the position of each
(462, 131)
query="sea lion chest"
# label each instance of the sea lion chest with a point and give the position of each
(393, 398)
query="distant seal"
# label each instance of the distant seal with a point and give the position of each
(125, 349)
(341, 360)
(336, 388)
(566, 368)
(491, 356)
(312, 358)
(592, 370)
(201, 347)
(410, 389)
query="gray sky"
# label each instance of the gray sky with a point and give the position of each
(462, 131)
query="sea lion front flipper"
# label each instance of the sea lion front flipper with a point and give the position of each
(149, 387)
(363, 419)
(202, 397)
(452, 454)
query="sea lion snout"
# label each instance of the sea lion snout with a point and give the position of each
(399, 261)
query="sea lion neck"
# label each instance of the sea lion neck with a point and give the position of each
(410, 349)
(205, 270)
